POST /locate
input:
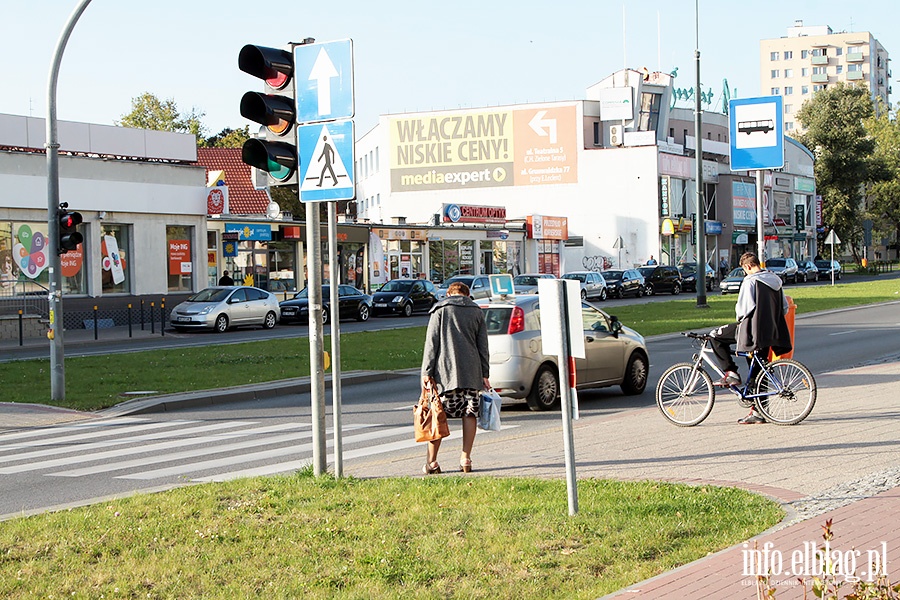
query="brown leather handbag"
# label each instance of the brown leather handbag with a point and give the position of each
(429, 418)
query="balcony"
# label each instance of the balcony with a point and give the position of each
(852, 75)
(855, 57)
(819, 60)
(820, 78)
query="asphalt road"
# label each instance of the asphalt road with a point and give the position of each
(79, 463)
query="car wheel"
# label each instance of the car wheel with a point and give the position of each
(363, 314)
(649, 289)
(676, 289)
(584, 294)
(326, 315)
(269, 321)
(407, 309)
(603, 295)
(635, 380)
(545, 389)
(620, 293)
(641, 292)
(221, 325)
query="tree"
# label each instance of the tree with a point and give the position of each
(835, 132)
(149, 112)
(227, 138)
(884, 194)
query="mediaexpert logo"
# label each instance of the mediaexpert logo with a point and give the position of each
(813, 561)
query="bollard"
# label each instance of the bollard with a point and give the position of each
(162, 317)
(21, 330)
(129, 320)
(95, 322)
(152, 317)
(142, 315)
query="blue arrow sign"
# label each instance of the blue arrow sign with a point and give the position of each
(756, 129)
(326, 161)
(324, 78)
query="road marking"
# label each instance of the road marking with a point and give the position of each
(843, 332)
(52, 441)
(62, 429)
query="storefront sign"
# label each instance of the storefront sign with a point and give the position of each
(547, 228)
(804, 184)
(667, 227)
(740, 238)
(676, 166)
(464, 213)
(476, 149)
(180, 257)
(261, 232)
(291, 232)
(743, 198)
(400, 234)
(217, 200)
(713, 227)
(71, 261)
(616, 104)
(818, 210)
(664, 187)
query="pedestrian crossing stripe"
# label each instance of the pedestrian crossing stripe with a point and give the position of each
(326, 161)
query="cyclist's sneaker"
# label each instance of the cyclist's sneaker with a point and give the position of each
(751, 419)
(731, 378)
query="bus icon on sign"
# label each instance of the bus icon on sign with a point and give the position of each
(749, 127)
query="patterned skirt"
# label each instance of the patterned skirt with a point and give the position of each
(461, 402)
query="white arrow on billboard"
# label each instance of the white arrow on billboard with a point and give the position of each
(322, 72)
(538, 123)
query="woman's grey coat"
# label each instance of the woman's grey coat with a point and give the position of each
(456, 345)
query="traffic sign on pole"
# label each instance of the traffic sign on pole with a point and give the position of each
(324, 80)
(756, 130)
(326, 161)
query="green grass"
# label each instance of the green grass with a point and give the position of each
(96, 382)
(441, 537)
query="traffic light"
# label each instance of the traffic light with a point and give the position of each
(275, 109)
(69, 238)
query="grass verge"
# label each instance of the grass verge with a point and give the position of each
(439, 537)
(95, 382)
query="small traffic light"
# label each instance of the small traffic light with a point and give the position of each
(275, 109)
(69, 238)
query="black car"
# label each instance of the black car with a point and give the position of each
(827, 268)
(689, 276)
(786, 268)
(352, 304)
(619, 284)
(807, 271)
(661, 278)
(404, 297)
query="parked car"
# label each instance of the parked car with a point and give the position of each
(807, 270)
(661, 278)
(404, 297)
(786, 268)
(221, 307)
(827, 267)
(621, 283)
(526, 283)
(592, 284)
(615, 354)
(688, 272)
(479, 286)
(352, 304)
(732, 283)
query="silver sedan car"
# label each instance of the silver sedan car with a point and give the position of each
(227, 306)
(615, 354)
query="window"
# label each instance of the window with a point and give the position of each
(838, 51)
(596, 133)
(820, 70)
(820, 52)
(788, 73)
(788, 108)
(649, 115)
(774, 73)
(788, 125)
(776, 91)
(788, 54)
(804, 54)
(115, 244)
(179, 261)
(788, 90)
(804, 72)
(804, 90)
(854, 68)
(819, 88)
(773, 56)
(839, 69)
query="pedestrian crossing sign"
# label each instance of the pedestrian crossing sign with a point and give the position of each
(326, 161)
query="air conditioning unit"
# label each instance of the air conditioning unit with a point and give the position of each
(615, 135)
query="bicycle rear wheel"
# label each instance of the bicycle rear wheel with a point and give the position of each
(792, 392)
(685, 395)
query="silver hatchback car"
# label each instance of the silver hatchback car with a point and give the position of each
(227, 306)
(616, 355)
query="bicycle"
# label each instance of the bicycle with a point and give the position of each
(783, 391)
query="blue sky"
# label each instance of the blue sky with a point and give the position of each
(409, 55)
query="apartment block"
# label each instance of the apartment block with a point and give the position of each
(810, 58)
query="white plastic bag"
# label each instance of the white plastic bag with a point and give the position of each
(489, 413)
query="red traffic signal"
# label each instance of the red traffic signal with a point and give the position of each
(273, 65)
(69, 238)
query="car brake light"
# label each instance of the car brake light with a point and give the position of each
(516, 321)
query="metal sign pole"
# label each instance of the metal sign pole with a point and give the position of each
(316, 345)
(334, 282)
(760, 222)
(566, 400)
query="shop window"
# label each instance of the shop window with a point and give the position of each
(115, 255)
(179, 258)
(24, 261)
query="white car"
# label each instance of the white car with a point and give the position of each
(479, 286)
(592, 284)
(221, 307)
(527, 283)
(616, 355)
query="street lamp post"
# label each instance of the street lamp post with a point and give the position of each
(700, 221)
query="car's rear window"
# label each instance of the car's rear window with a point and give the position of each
(775, 262)
(497, 319)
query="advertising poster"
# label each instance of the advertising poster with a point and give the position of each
(112, 260)
(180, 257)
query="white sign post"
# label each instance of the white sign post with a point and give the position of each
(562, 333)
(832, 239)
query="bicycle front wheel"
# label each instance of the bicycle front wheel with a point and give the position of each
(685, 395)
(790, 392)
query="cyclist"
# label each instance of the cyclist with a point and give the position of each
(760, 325)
